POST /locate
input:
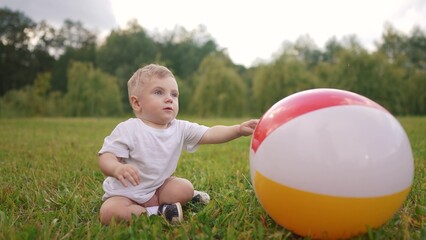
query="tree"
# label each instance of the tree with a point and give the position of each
(183, 51)
(32, 100)
(416, 51)
(91, 92)
(393, 44)
(308, 51)
(416, 72)
(407, 57)
(14, 28)
(332, 49)
(16, 62)
(124, 51)
(415, 94)
(73, 42)
(220, 91)
(74, 35)
(286, 75)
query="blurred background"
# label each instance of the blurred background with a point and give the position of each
(72, 58)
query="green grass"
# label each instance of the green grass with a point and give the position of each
(51, 187)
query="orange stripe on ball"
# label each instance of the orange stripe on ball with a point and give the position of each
(323, 216)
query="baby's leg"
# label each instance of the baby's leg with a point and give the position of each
(119, 209)
(175, 190)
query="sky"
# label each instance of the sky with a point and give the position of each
(250, 30)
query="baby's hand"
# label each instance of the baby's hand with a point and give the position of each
(126, 172)
(247, 128)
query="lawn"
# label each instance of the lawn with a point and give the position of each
(51, 187)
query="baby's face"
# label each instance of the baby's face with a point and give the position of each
(159, 102)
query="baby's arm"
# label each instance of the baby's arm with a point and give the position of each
(221, 134)
(111, 166)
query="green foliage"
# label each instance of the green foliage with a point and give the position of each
(367, 74)
(14, 28)
(61, 66)
(394, 75)
(184, 51)
(220, 90)
(415, 89)
(52, 187)
(91, 92)
(124, 51)
(74, 43)
(19, 64)
(185, 94)
(377, 78)
(279, 79)
(36, 100)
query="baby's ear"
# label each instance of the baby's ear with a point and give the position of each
(134, 101)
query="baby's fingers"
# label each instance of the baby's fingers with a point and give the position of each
(128, 175)
(252, 123)
(133, 177)
(122, 180)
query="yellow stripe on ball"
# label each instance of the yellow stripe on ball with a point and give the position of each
(323, 216)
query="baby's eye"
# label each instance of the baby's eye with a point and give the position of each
(175, 95)
(158, 92)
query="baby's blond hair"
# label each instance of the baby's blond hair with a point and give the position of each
(145, 74)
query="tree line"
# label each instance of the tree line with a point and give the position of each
(66, 71)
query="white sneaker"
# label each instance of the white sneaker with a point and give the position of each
(200, 197)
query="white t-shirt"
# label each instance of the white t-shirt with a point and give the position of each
(154, 152)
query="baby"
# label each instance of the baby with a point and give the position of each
(141, 154)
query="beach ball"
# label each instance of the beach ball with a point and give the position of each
(328, 163)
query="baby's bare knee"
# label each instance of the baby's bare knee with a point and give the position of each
(118, 209)
(185, 191)
(177, 190)
(187, 188)
(106, 213)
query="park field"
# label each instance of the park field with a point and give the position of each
(51, 187)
